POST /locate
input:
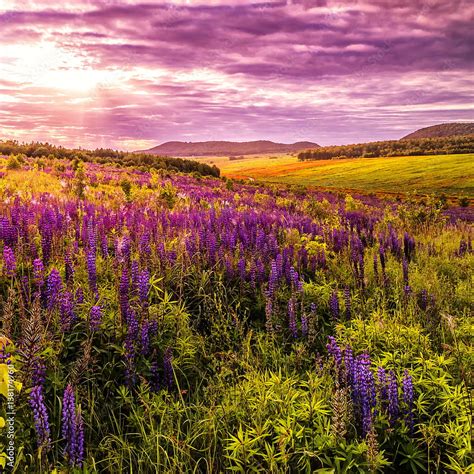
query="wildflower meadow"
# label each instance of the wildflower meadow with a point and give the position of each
(156, 321)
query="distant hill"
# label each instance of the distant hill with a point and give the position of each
(443, 130)
(218, 148)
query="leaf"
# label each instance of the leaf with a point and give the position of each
(2, 422)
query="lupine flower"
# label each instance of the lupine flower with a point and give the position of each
(69, 269)
(145, 338)
(364, 391)
(95, 318)
(135, 274)
(79, 296)
(423, 300)
(408, 246)
(38, 272)
(349, 367)
(334, 305)
(72, 429)
(347, 299)
(269, 314)
(382, 386)
(334, 350)
(144, 287)
(9, 261)
(54, 287)
(168, 368)
(273, 280)
(292, 317)
(67, 315)
(40, 415)
(304, 325)
(38, 371)
(130, 340)
(92, 271)
(408, 399)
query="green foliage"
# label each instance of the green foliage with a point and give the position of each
(13, 163)
(406, 147)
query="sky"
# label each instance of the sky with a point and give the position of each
(130, 75)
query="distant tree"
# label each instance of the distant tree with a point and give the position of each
(13, 163)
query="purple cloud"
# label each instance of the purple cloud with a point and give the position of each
(129, 74)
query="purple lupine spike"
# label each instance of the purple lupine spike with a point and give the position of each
(104, 245)
(304, 325)
(92, 270)
(79, 296)
(168, 372)
(40, 416)
(393, 405)
(145, 338)
(365, 392)
(423, 300)
(334, 305)
(9, 261)
(241, 265)
(347, 300)
(38, 272)
(69, 269)
(349, 365)
(273, 279)
(124, 248)
(69, 423)
(130, 347)
(79, 455)
(269, 314)
(334, 350)
(95, 318)
(67, 315)
(54, 287)
(408, 399)
(38, 371)
(72, 429)
(135, 275)
(292, 317)
(144, 287)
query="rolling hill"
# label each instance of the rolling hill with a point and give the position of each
(443, 130)
(222, 148)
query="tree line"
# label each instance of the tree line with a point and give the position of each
(405, 147)
(141, 161)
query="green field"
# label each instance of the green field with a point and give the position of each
(450, 174)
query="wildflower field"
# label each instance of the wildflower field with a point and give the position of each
(165, 322)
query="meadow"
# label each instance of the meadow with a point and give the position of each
(155, 321)
(449, 174)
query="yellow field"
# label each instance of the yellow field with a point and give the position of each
(450, 174)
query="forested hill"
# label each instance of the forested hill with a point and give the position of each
(144, 161)
(220, 148)
(406, 147)
(443, 130)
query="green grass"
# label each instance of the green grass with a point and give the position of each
(450, 174)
